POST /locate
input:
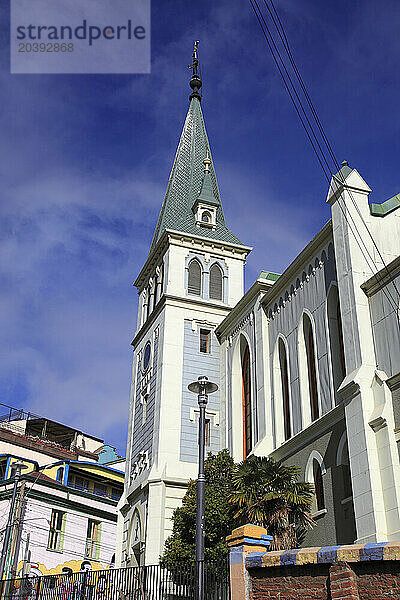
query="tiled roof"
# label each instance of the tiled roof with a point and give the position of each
(186, 181)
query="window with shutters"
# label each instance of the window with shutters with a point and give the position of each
(205, 340)
(56, 533)
(92, 549)
(216, 281)
(194, 278)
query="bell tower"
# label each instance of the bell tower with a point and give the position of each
(192, 278)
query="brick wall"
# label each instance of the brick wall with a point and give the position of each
(286, 583)
(339, 581)
(348, 572)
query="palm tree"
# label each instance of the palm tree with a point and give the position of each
(267, 493)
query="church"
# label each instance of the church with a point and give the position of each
(307, 362)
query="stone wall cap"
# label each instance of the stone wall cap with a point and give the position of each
(325, 555)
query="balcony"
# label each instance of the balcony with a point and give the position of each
(96, 491)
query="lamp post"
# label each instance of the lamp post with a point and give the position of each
(202, 387)
(18, 466)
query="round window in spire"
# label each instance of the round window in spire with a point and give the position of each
(146, 356)
(206, 217)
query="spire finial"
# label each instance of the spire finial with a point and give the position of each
(207, 163)
(195, 82)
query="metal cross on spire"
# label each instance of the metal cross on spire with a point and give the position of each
(195, 82)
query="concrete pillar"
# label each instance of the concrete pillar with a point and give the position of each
(242, 542)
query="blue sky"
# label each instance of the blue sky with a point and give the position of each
(85, 159)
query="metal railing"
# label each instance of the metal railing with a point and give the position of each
(94, 492)
(153, 582)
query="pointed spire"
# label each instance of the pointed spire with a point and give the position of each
(192, 175)
(195, 82)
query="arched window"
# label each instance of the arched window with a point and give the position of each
(206, 217)
(283, 364)
(336, 338)
(315, 470)
(194, 278)
(311, 366)
(246, 399)
(318, 485)
(343, 462)
(216, 281)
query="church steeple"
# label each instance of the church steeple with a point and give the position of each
(188, 180)
(191, 280)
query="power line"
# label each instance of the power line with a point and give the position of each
(282, 34)
(28, 522)
(75, 537)
(276, 54)
(69, 552)
(71, 516)
(322, 131)
(260, 18)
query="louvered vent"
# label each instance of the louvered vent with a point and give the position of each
(215, 283)
(194, 280)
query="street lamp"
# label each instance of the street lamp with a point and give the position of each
(202, 387)
(18, 466)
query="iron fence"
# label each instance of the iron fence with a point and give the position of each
(153, 582)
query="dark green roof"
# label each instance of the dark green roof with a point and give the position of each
(207, 191)
(380, 210)
(186, 182)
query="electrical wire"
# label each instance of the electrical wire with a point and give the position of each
(317, 147)
(73, 536)
(71, 519)
(69, 552)
(282, 34)
(68, 535)
(37, 507)
(259, 19)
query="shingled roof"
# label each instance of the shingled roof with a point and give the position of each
(186, 182)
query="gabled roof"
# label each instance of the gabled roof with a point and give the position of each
(186, 183)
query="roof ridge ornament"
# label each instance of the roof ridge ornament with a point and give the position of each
(207, 162)
(195, 82)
